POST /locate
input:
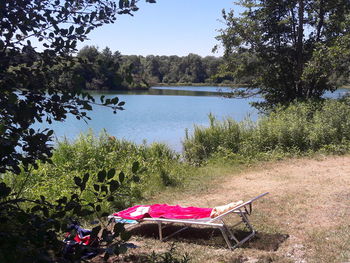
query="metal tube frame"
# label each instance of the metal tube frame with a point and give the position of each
(243, 211)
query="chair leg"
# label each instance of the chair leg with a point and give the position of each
(160, 230)
(228, 235)
(229, 232)
(224, 234)
(246, 222)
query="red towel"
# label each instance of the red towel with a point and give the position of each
(164, 211)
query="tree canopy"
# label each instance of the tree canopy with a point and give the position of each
(35, 87)
(289, 50)
(31, 84)
(107, 70)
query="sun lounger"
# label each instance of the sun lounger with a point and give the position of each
(243, 211)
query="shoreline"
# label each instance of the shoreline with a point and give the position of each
(198, 85)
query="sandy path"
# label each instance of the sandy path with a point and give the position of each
(316, 190)
(309, 198)
(309, 202)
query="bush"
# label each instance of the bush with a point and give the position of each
(160, 167)
(298, 129)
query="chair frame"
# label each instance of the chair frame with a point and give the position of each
(243, 211)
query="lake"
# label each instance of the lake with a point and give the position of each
(161, 114)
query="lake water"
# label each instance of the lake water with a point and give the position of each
(161, 114)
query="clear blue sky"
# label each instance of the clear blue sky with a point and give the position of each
(169, 27)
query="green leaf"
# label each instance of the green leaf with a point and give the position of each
(46, 211)
(82, 186)
(87, 106)
(77, 181)
(79, 30)
(92, 16)
(111, 173)
(125, 236)
(50, 132)
(135, 167)
(101, 176)
(35, 208)
(121, 177)
(136, 179)
(70, 31)
(86, 177)
(114, 185)
(4, 190)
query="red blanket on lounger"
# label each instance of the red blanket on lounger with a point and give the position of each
(164, 211)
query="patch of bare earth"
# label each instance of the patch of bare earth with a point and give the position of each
(305, 218)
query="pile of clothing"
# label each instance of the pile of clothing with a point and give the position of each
(79, 243)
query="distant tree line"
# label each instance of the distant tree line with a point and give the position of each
(105, 70)
(174, 69)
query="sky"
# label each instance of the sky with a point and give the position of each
(169, 27)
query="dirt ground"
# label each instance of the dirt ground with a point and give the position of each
(305, 217)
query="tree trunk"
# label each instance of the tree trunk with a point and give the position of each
(299, 50)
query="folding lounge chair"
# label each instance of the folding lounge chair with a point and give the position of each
(243, 210)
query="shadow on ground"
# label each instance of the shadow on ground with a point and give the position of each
(210, 236)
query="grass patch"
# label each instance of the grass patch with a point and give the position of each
(330, 245)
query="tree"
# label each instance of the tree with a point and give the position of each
(97, 70)
(152, 69)
(289, 50)
(30, 88)
(34, 87)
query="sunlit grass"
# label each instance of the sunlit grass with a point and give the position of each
(298, 130)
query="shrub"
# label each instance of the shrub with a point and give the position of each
(160, 167)
(298, 129)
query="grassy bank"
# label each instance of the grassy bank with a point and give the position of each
(160, 167)
(300, 129)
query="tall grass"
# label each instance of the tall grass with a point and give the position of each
(160, 167)
(300, 128)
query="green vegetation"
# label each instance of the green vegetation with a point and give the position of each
(301, 128)
(35, 86)
(159, 167)
(95, 70)
(288, 51)
(104, 70)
